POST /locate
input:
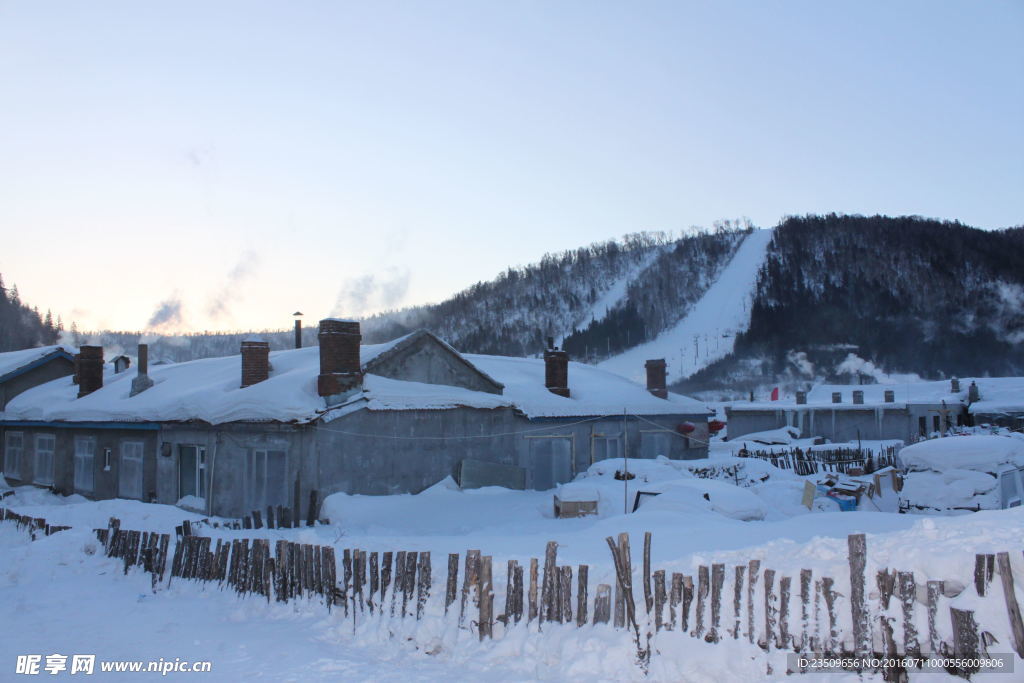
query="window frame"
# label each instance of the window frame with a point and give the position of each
(18, 455)
(121, 469)
(80, 456)
(36, 467)
(200, 470)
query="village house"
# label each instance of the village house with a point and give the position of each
(908, 412)
(22, 370)
(226, 436)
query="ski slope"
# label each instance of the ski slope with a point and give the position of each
(708, 331)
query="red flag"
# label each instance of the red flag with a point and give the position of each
(775, 394)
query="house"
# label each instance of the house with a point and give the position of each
(22, 370)
(230, 435)
(998, 401)
(843, 413)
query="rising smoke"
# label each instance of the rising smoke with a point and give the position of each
(369, 293)
(231, 291)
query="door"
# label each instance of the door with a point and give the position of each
(129, 474)
(85, 459)
(550, 462)
(191, 472)
(266, 479)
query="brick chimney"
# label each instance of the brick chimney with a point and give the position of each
(255, 361)
(801, 398)
(90, 369)
(556, 372)
(340, 367)
(954, 385)
(656, 377)
(142, 380)
(837, 397)
(858, 397)
(890, 396)
(973, 395)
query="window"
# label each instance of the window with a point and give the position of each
(85, 456)
(935, 424)
(129, 474)
(46, 444)
(606, 447)
(12, 454)
(192, 471)
(922, 425)
(266, 478)
(653, 444)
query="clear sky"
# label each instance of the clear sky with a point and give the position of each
(242, 160)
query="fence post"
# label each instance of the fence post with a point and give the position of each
(1012, 607)
(486, 597)
(581, 594)
(451, 587)
(857, 545)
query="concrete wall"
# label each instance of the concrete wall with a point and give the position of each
(56, 367)
(425, 360)
(105, 479)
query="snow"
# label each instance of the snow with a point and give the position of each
(715, 320)
(980, 453)
(14, 360)
(998, 395)
(209, 390)
(248, 637)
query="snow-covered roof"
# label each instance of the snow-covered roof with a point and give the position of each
(981, 452)
(13, 361)
(998, 395)
(209, 390)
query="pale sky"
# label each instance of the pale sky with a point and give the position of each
(253, 158)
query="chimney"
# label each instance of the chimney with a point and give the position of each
(90, 370)
(255, 361)
(858, 397)
(890, 396)
(551, 343)
(954, 385)
(837, 397)
(556, 372)
(340, 367)
(801, 398)
(656, 377)
(973, 395)
(142, 380)
(298, 333)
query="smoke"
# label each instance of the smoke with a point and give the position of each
(219, 303)
(854, 365)
(168, 314)
(799, 360)
(369, 293)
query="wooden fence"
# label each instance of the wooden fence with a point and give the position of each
(800, 614)
(812, 461)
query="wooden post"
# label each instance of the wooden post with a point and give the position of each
(346, 566)
(423, 589)
(399, 579)
(737, 598)
(581, 594)
(717, 582)
(410, 579)
(832, 645)
(470, 581)
(659, 599)
(565, 594)
(330, 574)
(687, 599)
(486, 598)
(271, 521)
(753, 567)
(603, 604)
(886, 581)
(385, 577)
(805, 606)
(648, 600)
(627, 575)
(702, 593)
(533, 590)
(452, 586)
(857, 545)
(374, 579)
(313, 511)
(517, 587)
(1012, 607)
(784, 592)
(934, 589)
(675, 600)
(965, 636)
(548, 588)
(908, 592)
(769, 609)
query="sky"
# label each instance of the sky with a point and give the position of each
(219, 165)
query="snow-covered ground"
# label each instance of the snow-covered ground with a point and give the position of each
(708, 331)
(60, 595)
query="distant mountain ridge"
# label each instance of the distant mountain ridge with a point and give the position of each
(830, 297)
